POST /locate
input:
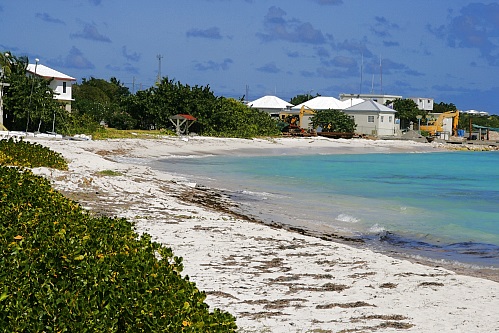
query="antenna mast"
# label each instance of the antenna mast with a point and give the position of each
(361, 72)
(380, 75)
(159, 56)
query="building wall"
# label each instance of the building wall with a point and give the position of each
(64, 95)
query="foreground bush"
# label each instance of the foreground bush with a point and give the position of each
(62, 270)
(30, 155)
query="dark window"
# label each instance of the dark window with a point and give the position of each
(64, 87)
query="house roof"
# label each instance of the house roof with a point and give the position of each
(183, 116)
(351, 102)
(269, 102)
(370, 105)
(322, 103)
(47, 72)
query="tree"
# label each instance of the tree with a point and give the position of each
(298, 99)
(232, 118)
(487, 121)
(5, 63)
(333, 121)
(407, 111)
(103, 102)
(443, 107)
(29, 101)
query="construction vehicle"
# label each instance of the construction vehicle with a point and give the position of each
(442, 124)
(297, 124)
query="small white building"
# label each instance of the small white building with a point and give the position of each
(373, 118)
(61, 83)
(424, 103)
(271, 104)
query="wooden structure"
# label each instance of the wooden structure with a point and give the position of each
(182, 122)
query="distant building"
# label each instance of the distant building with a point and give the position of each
(475, 113)
(381, 99)
(423, 103)
(61, 83)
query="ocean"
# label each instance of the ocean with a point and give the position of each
(439, 206)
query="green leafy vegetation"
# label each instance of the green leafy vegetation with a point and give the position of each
(31, 155)
(63, 270)
(333, 121)
(28, 100)
(29, 106)
(407, 111)
(111, 103)
(465, 120)
(109, 173)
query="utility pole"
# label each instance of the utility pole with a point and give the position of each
(159, 56)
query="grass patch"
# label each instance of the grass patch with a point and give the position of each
(109, 173)
(112, 133)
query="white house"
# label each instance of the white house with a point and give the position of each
(61, 83)
(271, 104)
(373, 118)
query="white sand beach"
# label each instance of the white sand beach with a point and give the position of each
(271, 279)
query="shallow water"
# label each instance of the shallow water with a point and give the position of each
(436, 205)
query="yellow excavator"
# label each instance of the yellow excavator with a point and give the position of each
(296, 122)
(305, 110)
(436, 125)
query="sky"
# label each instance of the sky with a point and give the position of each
(446, 50)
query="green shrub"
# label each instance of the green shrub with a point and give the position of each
(63, 270)
(30, 155)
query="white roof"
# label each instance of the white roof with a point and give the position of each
(322, 103)
(47, 72)
(370, 105)
(269, 102)
(351, 102)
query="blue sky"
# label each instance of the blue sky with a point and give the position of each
(447, 50)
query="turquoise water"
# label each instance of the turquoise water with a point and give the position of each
(439, 205)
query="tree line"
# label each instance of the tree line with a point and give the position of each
(29, 106)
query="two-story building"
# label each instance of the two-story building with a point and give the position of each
(60, 83)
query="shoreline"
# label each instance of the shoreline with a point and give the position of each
(213, 198)
(267, 276)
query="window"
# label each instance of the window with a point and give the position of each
(390, 119)
(64, 87)
(382, 118)
(370, 119)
